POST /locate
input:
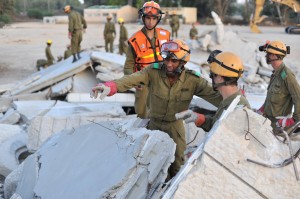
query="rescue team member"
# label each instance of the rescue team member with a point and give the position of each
(174, 23)
(77, 24)
(225, 70)
(123, 37)
(109, 34)
(283, 91)
(68, 52)
(49, 56)
(144, 49)
(171, 89)
(193, 32)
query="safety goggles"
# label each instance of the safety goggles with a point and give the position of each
(172, 47)
(151, 11)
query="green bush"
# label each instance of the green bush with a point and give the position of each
(5, 18)
(35, 13)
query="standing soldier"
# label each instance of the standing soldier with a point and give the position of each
(144, 49)
(171, 89)
(50, 58)
(109, 34)
(225, 70)
(123, 37)
(77, 24)
(193, 32)
(174, 23)
(283, 90)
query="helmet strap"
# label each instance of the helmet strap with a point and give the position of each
(216, 85)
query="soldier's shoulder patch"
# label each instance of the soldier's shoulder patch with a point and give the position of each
(156, 66)
(283, 74)
(198, 74)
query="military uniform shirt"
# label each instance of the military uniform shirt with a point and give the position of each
(166, 100)
(209, 121)
(76, 21)
(49, 55)
(283, 92)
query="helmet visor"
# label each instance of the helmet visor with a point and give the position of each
(149, 10)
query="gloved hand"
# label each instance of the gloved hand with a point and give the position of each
(69, 35)
(285, 121)
(106, 89)
(261, 110)
(190, 116)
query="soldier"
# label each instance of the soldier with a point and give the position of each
(171, 89)
(193, 32)
(225, 70)
(283, 90)
(123, 37)
(174, 23)
(50, 58)
(77, 24)
(68, 52)
(144, 49)
(109, 34)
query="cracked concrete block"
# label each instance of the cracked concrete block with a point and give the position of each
(105, 77)
(69, 115)
(107, 161)
(5, 104)
(31, 109)
(84, 81)
(61, 88)
(11, 181)
(224, 162)
(10, 117)
(113, 62)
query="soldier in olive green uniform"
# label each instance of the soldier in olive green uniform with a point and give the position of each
(77, 24)
(50, 58)
(193, 32)
(123, 37)
(68, 52)
(225, 70)
(283, 90)
(109, 34)
(171, 89)
(174, 23)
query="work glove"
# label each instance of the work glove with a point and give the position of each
(106, 89)
(70, 35)
(285, 121)
(261, 110)
(191, 116)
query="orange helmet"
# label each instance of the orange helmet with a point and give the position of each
(176, 49)
(151, 8)
(67, 8)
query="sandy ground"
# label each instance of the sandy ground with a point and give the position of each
(21, 44)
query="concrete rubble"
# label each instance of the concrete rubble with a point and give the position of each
(91, 148)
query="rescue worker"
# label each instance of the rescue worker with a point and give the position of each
(225, 70)
(68, 52)
(144, 49)
(123, 37)
(49, 56)
(109, 34)
(283, 90)
(77, 25)
(171, 89)
(193, 32)
(174, 23)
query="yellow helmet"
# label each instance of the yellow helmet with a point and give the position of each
(49, 41)
(176, 49)
(226, 64)
(277, 47)
(120, 20)
(67, 8)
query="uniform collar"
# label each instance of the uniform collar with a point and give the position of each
(144, 30)
(280, 69)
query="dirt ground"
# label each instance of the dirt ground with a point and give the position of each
(21, 44)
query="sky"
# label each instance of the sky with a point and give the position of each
(81, 1)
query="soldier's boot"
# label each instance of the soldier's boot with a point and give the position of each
(78, 55)
(74, 58)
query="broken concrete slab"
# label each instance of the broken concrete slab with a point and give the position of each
(62, 87)
(67, 116)
(126, 167)
(30, 109)
(10, 117)
(113, 62)
(12, 141)
(240, 178)
(5, 103)
(11, 181)
(51, 75)
(124, 99)
(84, 81)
